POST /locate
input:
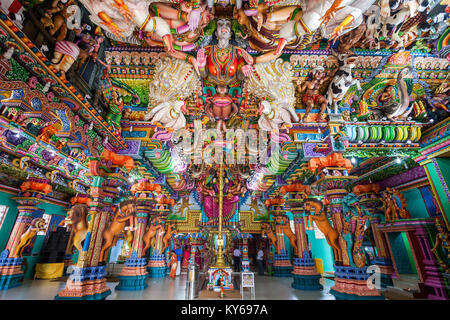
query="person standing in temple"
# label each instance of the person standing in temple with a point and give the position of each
(198, 259)
(186, 257)
(237, 259)
(179, 252)
(173, 262)
(260, 261)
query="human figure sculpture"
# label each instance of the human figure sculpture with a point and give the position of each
(151, 232)
(335, 17)
(443, 241)
(311, 96)
(36, 225)
(56, 18)
(185, 34)
(391, 109)
(168, 115)
(263, 27)
(362, 224)
(348, 237)
(173, 262)
(441, 98)
(221, 107)
(122, 17)
(125, 215)
(77, 219)
(321, 220)
(115, 105)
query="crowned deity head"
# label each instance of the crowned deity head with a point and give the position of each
(223, 30)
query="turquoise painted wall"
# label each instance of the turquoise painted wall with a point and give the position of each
(409, 252)
(443, 164)
(402, 253)
(10, 218)
(39, 242)
(319, 247)
(8, 224)
(415, 204)
(321, 250)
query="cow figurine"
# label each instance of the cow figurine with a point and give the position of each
(342, 80)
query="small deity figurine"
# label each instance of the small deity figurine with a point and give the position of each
(442, 240)
(221, 107)
(56, 18)
(441, 97)
(387, 96)
(390, 207)
(115, 110)
(311, 96)
(348, 237)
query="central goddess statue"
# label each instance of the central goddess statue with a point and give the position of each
(224, 64)
(220, 66)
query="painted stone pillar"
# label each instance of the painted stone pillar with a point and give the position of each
(305, 273)
(88, 282)
(245, 262)
(383, 258)
(156, 266)
(282, 265)
(350, 283)
(371, 200)
(437, 172)
(431, 273)
(133, 276)
(11, 274)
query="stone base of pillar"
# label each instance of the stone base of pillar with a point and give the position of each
(86, 284)
(132, 279)
(11, 274)
(435, 284)
(350, 283)
(67, 263)
(306, 282)
(156, 266)
(386, 271)
(305, 275)
(134, 274)
(282, 266)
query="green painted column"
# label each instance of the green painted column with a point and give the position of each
(437, 170)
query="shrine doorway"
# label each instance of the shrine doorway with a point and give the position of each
(406, 276)
(256, 242)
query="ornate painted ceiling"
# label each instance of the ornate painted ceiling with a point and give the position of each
(178, 84)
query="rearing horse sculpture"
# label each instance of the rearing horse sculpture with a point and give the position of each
(171, 230)
(77, 218)
(267, 230)
(126, 213)
(286, 229)
(151, 232)
(321, 220)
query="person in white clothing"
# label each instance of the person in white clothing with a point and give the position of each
(237, 259)
(260, 261)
